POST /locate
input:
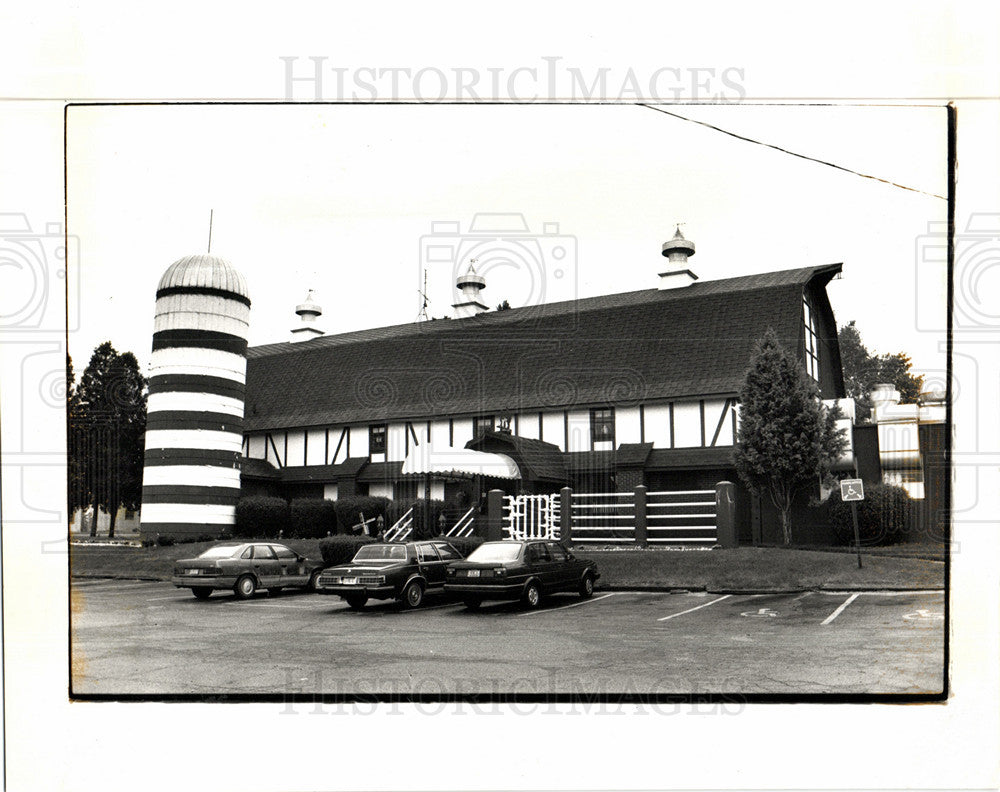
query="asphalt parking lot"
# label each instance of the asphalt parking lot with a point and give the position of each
(132, 637)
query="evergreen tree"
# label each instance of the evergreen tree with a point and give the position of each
(787, 440)
(112, 420)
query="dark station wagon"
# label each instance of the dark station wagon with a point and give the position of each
(245, 567)
(392, 570)
(523, 571)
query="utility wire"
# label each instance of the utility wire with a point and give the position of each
(792, 153)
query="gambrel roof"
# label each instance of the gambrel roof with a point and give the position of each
(619, 349)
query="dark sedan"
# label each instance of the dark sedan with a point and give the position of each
(523, 571)
(394, 570)
(245, 567)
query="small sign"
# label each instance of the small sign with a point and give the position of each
(852, 490)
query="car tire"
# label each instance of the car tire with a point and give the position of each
(472, 603)
(413, 594)
(356, 601)
(532, 595)
(314, 580)
(202, 592)
(587, 586)
(245, 587)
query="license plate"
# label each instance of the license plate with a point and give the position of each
(350, 581)
(473, 573)
(194, 571)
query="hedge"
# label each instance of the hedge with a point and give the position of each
(341, 549)
(884, 515)
(261, 517)
(312, 518)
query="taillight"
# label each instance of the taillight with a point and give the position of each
(500, 571)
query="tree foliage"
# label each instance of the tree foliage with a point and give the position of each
(863, 370)
(787, 440)
(107, 425)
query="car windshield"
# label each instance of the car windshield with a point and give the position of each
(381, 552)
(221, 551)
(488, 552)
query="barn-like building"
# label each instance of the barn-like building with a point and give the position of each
(599, 394)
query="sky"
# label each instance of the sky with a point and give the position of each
(354, 202)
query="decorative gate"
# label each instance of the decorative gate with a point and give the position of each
(531, 516)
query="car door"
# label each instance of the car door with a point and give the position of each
(293, 571)
(431, 565)
(540, 565)
(266, 566)
(563, 571)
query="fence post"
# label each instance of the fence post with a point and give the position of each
(725, 513)
(566, 514)
(494, 515)
(640, 515)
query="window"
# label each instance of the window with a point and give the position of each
(427, 553)
(283, 552)
(447, 554)
(263, 551)
(602, 424)
(376, 439)
(557, 552)
(811, 336)
(481, 425)
(537, 554)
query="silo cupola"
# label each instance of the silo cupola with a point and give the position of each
(469, 284)
(308, 312)
(677, 251)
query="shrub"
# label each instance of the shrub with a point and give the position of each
(464, 544)
(883, 516)
(348, 510)
(341, 549)
(395, 510)
(261, 517)
(312, 518)
(165, 541)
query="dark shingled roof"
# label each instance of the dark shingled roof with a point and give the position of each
(536, 459)
(258, 469)
(633, 454)
(689, 342)
(690, 458)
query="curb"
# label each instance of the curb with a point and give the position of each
(748, 591)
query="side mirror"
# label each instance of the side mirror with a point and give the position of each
(300, 558)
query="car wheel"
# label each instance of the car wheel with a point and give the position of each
(245, 587)
(587, 586)
(413, 594)
(202, 592)
(314, 580)
(472, 604)
(532, 595)
(356, 601)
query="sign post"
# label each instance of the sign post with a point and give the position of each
(852, 491)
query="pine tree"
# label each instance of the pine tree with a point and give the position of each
(787, 440)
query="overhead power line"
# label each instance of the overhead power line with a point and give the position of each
(792, 153)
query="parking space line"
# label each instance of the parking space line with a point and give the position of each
(842, 607)
(697, 607)
(573, 605)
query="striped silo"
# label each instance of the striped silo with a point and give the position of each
(194, 424)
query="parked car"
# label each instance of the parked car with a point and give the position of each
(393, 570)
(245, 567)
(523, 571)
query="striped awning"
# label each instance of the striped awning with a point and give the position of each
(427, 460)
